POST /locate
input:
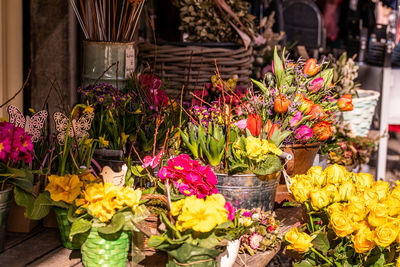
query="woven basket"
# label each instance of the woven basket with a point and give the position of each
(110, 252)
(193, 65)
(65, 227)
(360, 117)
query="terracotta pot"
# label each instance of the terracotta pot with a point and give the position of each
(303, 157)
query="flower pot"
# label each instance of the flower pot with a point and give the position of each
(248, 191)
(228, 257)
(303, 157)
(109, 157)
(360, 118)
(5, 203)
(17, 222)
(105, 250)
(64, 225)
(99, 56)
(193, 256)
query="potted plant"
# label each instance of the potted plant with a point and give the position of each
(16, 151)
(350, 219)
(104, 217)
(364, 101)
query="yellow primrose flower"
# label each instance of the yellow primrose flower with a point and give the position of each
(381, 188)
(176, 207)
(341, 224)
(101, 212)
(103, 142)
(124, 137)
(88, 177)
(335, 174)
(132, 197)
(94, 193)
(300, 242)
(364, 240)
(268, 148)
(253, 146)
(64, 188)
(386, 234)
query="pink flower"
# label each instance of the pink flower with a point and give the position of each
(242, 124)
(231, 210)
(246, 214)
(5, 147)
(156, 82)
(295, 119)
(316, 84)
(200, 94)
(303, 133)
(255, 240)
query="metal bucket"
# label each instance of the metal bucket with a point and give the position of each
(99, 56)
(248, 191)
(5, 204)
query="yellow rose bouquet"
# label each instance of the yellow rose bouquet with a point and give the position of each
(352, 220)
(197, 231)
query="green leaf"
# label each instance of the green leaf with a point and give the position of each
(327, 75)
(278, 68)
(376, 259)
(116, 224)
(79, 226)
(261, 85)
(155, 241)
(271, 164)
(22, 178)
(303, 263)
(321, 243)
(224, 225)
(24, 199)
(41, 207)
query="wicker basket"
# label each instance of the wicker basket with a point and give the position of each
(193, 65)
(360, 117)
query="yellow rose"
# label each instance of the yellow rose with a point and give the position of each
(341, 224)
(356, 208)
(370, 198)
(381, 188)
(317, 176)
(346, 190)
(336, 207)
(364, 240)
(335, 174)
(396, 191)
(378, 214)
(398, 238)
(357, 226)
(300, 242)
(64, 188)
(301, 190)
(363, 180)
(319, 199)
(332, 192)
(386, 234)
(393, 205)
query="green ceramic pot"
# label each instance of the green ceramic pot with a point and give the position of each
(105, 250)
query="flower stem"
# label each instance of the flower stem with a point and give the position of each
(322, 256)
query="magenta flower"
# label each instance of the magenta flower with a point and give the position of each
(5, 147)
(246, 214)
(303, 133)
(295, 119)
(15, 144)
(231, 210)
(316, 84)
(156, 83)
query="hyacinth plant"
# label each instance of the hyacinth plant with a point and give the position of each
(16, 152)
(297, 98)
(217, 134)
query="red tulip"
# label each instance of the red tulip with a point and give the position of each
(274, 128)
(322, 130)
(311, 68)
(345, 103)
(317, 112)
(281, 104)
(254, 123)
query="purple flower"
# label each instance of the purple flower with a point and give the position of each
(316, 84)
(303, 133)
(295, 119)
(101, 99)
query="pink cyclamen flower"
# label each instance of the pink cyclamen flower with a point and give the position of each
(231, 210)
(316, 84)
(303, 133)
(296, 119)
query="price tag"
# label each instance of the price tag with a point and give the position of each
(130, 61)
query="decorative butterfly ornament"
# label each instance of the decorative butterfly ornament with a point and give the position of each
(78, 128)
(32, 125)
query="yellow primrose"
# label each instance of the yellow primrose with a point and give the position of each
(132, 197)
(94, 193)
(88, 177)
(103, 142)
(335, 174)
(268, 148)
(300, 242)
(253, 146)
(64, 188)
(381, 188)
(101, 212)
(176, 207)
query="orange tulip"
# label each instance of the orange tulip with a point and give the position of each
(345, 103)
(254, 123)
(272, 130)
(306, 105)
(281, 104)
(311, 68)
(322, 130)
(317, 112)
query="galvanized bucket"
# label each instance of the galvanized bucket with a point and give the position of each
(99, 56)
(248, 191)
(5, 204)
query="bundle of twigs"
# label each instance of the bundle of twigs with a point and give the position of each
(108, 20)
